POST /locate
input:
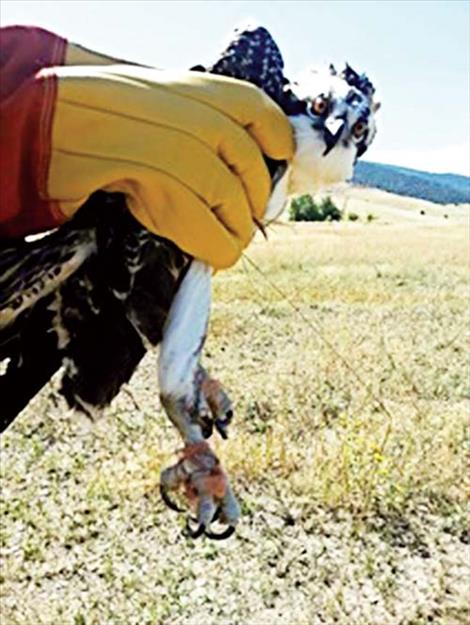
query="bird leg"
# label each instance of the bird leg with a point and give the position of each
(189, 397)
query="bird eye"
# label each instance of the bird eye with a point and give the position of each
(359, 129)
(320, 105)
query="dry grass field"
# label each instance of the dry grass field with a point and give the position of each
(348, 362)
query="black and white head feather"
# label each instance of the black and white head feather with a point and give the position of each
(332, 112)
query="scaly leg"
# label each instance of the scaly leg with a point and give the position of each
(187, 394)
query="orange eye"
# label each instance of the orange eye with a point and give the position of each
(320, 105)
(359, 129)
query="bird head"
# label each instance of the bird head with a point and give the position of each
(333, 116)
(332, 113)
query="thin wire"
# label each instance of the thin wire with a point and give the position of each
(330, 345)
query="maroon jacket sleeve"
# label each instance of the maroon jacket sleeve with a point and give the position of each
(26, 111)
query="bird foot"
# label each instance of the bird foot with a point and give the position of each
(200, 476)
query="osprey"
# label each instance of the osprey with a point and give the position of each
(94, 295)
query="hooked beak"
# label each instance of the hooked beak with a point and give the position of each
(332, 132)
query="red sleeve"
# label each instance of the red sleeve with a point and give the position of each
(26, 111)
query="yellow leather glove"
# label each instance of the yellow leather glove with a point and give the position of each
(185, 148)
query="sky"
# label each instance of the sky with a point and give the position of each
(416, 53)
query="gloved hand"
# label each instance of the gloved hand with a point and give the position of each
(184, 148)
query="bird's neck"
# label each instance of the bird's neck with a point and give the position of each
(309, 171)
(297, 179)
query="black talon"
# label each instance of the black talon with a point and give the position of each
(220, 427)
(207, 427)
(166, 498)
(222, 424)
(222, 536)
(199, 531)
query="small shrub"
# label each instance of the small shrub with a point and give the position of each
(330, 211)
(304, 208)
(353, 217)
(370, 217)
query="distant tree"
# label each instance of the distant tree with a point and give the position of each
(304, 208)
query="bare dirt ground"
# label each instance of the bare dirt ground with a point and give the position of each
(347, 451)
